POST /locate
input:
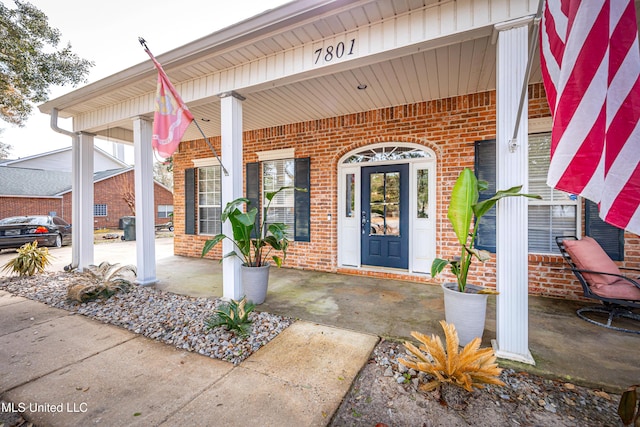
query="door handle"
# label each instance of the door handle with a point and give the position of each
(364, 221)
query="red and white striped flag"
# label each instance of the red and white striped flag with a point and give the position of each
(591, 68)
(171, 117)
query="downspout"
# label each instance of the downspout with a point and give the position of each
(56, 128)
(54, 125)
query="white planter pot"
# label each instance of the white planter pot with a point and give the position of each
(465, 310)
(254, 282)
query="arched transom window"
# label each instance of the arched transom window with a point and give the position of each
(386, 153)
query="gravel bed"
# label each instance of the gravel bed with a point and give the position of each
(386, 393)
(170, 318)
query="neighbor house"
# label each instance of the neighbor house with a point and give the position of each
(375, 107)
(41, 184)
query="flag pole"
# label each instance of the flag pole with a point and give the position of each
(224, 170)
(513, 143)
(143, 42)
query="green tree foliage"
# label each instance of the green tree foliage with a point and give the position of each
(30, 61)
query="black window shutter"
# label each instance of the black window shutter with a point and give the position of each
(190, 201)
(253, 190)
(485, 168)
(611, 238)
(302, 200)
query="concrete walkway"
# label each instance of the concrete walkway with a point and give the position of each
(298, 379)
(69, 370)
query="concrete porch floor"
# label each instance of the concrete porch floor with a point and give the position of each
(562, 345)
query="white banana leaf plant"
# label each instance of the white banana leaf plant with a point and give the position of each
(253, 251)
(463, 207)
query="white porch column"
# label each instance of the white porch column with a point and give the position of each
(82, 200)
(231, 133)
(512, 317)
(145, 209)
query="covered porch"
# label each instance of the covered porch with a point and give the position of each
(313, 61)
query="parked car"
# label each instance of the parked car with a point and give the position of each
(48, 230)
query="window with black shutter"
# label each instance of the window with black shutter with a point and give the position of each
(290, 207)
(555, 215)
(210, 200)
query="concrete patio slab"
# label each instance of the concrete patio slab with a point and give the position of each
(298, 379)
(6, 298)
(139, 382)
(249, 398)
(32, 352)
(22, 314)
(335, 356)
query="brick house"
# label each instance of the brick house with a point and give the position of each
(35, 191)
(347, 98)
(427, 127)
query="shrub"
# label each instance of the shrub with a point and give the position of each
(468, 368)
(102, 281)
(234, 315)
(30, 260)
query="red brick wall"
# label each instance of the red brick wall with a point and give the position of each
(110, 192)
(17, 206)
(448, 126)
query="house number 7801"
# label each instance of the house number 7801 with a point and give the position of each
(333, 52)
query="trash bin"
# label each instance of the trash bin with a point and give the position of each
(129, 227)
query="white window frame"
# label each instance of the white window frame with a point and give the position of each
(98, 209)
(163, 211)
(201, 166)
(285, 199)
(536, 127)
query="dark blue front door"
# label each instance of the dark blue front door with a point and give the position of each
(385, 215)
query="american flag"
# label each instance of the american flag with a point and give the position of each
(171, 117)
(591, 69)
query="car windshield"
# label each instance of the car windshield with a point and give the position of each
(35, 220)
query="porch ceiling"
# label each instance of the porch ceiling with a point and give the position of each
(456, 69)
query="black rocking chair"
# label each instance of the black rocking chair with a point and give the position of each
(612, 306)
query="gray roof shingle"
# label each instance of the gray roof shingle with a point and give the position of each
(37, 182)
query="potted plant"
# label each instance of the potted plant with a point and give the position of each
(465, 304)
(253, 244)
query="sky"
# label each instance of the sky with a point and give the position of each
(106, 32)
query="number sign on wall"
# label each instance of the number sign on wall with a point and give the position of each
(334, 50)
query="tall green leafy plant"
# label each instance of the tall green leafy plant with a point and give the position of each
(463, 207)
(253, 251)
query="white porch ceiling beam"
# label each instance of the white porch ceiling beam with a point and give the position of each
(414, 31)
